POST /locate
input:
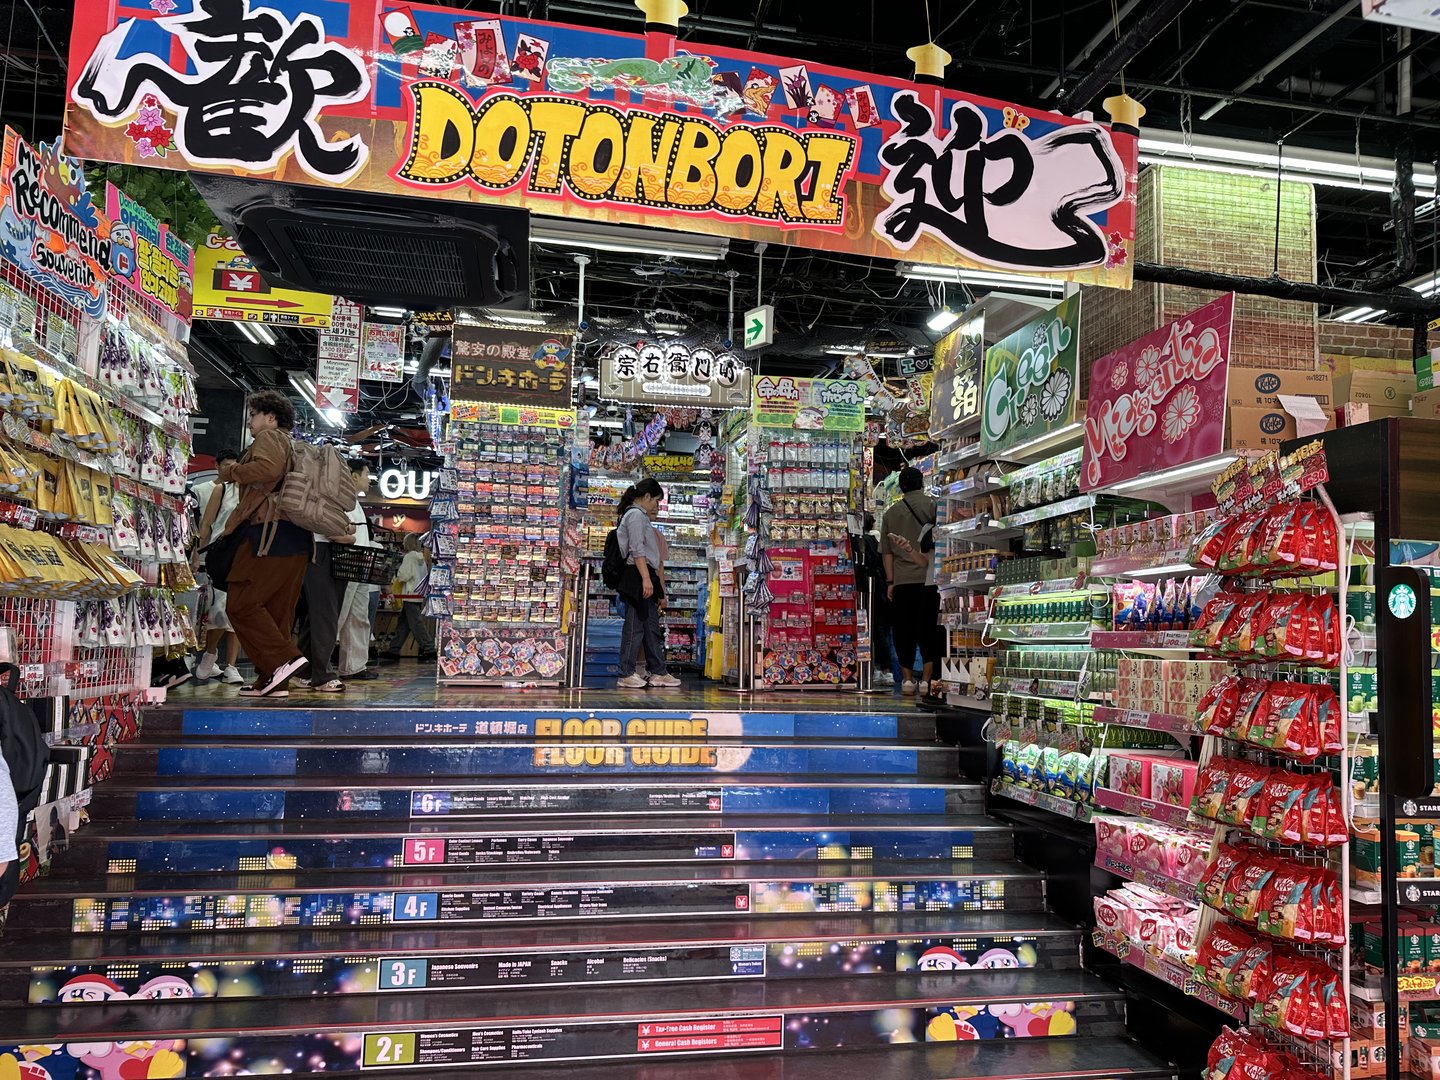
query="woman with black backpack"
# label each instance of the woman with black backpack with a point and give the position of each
(641, 587)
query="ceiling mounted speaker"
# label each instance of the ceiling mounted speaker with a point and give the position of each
(376, 249)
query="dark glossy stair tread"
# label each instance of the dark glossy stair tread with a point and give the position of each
(502, 781)
(529, 825)
(1082, 1058)
(516, 876)
(196, 1017)
(62, 949)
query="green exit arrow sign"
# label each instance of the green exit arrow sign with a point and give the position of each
(760, 326)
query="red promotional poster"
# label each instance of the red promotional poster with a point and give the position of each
(1159, 401)
(569, 121)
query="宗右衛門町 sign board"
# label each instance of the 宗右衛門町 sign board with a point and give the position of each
(1031, 380)
(510, 367)
(650, 374)
(579, 122)
(1159, 401)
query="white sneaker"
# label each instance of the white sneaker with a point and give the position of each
(632, 682)
(884, 679)
(907, 687)
(207, 668)
(922, 689)
(231, 676)
(664, 680)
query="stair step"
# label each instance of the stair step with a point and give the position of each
(190, 847)
(1082, 1058)
(441, 724)
(311, 963)
(476, 1029)
(379, 797)
(153, 902)
(537, 756)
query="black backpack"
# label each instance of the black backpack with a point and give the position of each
(22, 741)
(612, 567)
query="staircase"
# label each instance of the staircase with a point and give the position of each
(547, 893)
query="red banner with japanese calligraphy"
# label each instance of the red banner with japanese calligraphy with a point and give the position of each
(584, 123)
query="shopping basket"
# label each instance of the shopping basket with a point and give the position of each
(367, 565)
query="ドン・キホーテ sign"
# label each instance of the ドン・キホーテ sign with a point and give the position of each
(510, 367)
(586, 123)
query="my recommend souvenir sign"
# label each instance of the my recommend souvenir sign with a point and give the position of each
(512, 367)
(1032, 380)
(584, 123)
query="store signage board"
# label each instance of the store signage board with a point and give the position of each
(228, 288)
(1419, 14)
(337, 363)
(382, 352)
(510, 367)
(50, 227)
(955, 390)
(759, 324)
(578, 122)
(148, 258)
(1159, 401)
(650, 374)
(1031, 380)
(808, 404)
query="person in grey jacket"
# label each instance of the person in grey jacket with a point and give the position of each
(641, 587)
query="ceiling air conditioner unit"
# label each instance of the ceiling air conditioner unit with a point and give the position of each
(376, 249)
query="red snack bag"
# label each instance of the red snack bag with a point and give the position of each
(1337, 1009)
(1210, 787)
(1290, 545)
(1327, 714)
(1205, 631)
(1278, 627)
(1314, 1018)
(1282, 898)
(1326, 909)
(1278, 808)
(1238, 636)
(1217, 708)
(1318, 804)
(1219, 954)
(1246, 781)
(1269, 538)
(1286, 1000)
(1323, 542)
(1210, 544)
(1252, 693)
(1211, 889)
(1284, 720)
(1242, 891)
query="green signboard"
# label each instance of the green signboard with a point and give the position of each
(1031, 380)
(955, 393)
(808, 404)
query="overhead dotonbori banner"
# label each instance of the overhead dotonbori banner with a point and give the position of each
(1159, 401)
(588, 123)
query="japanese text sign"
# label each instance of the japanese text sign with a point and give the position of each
(955, 391)
(228, 288)
(337, 368)
(50, 227)
(1159, 401)
(148, 257)
(586, 123)
(674, 374)
(382, 355)
(808, 404)
(1031, 380)
(510, 367)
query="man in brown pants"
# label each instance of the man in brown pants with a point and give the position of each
(263, 589)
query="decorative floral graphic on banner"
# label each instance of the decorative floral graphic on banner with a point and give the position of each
(1174, 409)
(586, 123)
(1032, 380)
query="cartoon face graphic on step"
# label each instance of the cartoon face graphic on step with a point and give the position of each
(941, 958)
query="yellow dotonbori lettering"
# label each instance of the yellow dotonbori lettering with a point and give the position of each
(598, 153)
(599, 742)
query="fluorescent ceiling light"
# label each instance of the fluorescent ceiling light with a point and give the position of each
(305, 386)
(984, 278)
(259, 333)
(942, 320)
(844, 350)
(1358, 315)
(334, 417)
(602, 236)
(1324, 167)
(1166, 477)
(389, 312)
(517, 318)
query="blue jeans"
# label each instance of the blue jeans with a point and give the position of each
(641, 630)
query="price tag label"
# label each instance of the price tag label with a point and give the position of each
(1135, 718)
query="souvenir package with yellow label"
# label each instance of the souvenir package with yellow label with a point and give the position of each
(108, 566)
(17, 473)
(103, 494)
(16, 574)
(24, 376)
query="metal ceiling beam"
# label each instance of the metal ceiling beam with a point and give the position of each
(1159, 15)
(1400, 301)
(1107, 29)
(1323, 27)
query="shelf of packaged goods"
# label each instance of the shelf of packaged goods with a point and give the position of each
(953, 458)
(1166, 813)
(966, 581)
(976, 530)
(1139, 567)
(1045, 513)
(1071, 633)
(1136, 640)
(1041, 800)
(1017, 589)
(958, 620)
(1047, 688)
(108, 393)
(1181, 890)
(1150, 721)
(1367, 982)
(1168, 971)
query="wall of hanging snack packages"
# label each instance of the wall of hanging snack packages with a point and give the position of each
(498, 581)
